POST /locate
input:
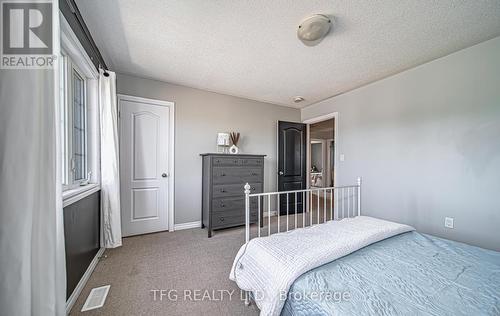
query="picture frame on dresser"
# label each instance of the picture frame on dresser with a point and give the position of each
(223, 198)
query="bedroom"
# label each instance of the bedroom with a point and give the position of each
(117, 173)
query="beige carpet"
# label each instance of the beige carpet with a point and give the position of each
(181, 261)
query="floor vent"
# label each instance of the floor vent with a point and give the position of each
(96, 298)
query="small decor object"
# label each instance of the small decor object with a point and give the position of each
(233, 150)
(222, 142)
(235, 137)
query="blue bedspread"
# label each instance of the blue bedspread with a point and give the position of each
(408, 274)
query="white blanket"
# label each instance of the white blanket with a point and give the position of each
(268, 266)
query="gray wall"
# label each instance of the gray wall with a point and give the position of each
(199, 115)
(427, 144)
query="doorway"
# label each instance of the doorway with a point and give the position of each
(146, 164)
(306, 158)
(321, 154)
(292, 173)
(322, 135)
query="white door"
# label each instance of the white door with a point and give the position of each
(144, 166)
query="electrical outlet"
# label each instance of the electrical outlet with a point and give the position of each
(448, 222)
(342, 157)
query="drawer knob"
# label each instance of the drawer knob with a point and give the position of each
(222, 219)
(222, 174)
(222, 205)
(222, 190)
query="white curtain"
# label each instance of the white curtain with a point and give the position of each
(32, 260)
(110, 179)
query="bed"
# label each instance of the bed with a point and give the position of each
(408, 274)
(360, 265)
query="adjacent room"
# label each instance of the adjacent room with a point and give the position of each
(250, 157)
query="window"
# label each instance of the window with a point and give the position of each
(79, 128)
(79, 117)
(74, 123)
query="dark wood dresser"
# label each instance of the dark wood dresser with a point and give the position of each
(223, 197)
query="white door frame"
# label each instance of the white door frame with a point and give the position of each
(335, 116)
(171, 149)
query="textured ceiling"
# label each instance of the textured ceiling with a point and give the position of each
(250, 48)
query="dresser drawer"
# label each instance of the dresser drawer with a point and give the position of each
(236, 175)
(237, 161)
(233, 205)
(257, 162)
(226, 161)
(222, 190)
(220, 220)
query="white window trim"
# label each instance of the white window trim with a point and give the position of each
(73, 195)
(75, 51)
(70, 69)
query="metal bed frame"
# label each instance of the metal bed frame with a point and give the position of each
(344, 201)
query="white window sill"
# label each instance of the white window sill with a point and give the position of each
(76, 194)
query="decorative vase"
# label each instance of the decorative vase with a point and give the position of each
(233, 150)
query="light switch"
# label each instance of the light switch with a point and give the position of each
(448, 222)
(342, 157)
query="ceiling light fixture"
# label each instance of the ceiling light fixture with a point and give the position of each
(313, 29)
(298, 99)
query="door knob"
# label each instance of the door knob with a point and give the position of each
(164, 175)
(280, 173)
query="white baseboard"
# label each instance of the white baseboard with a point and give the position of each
(79, 287)
(189, 225)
